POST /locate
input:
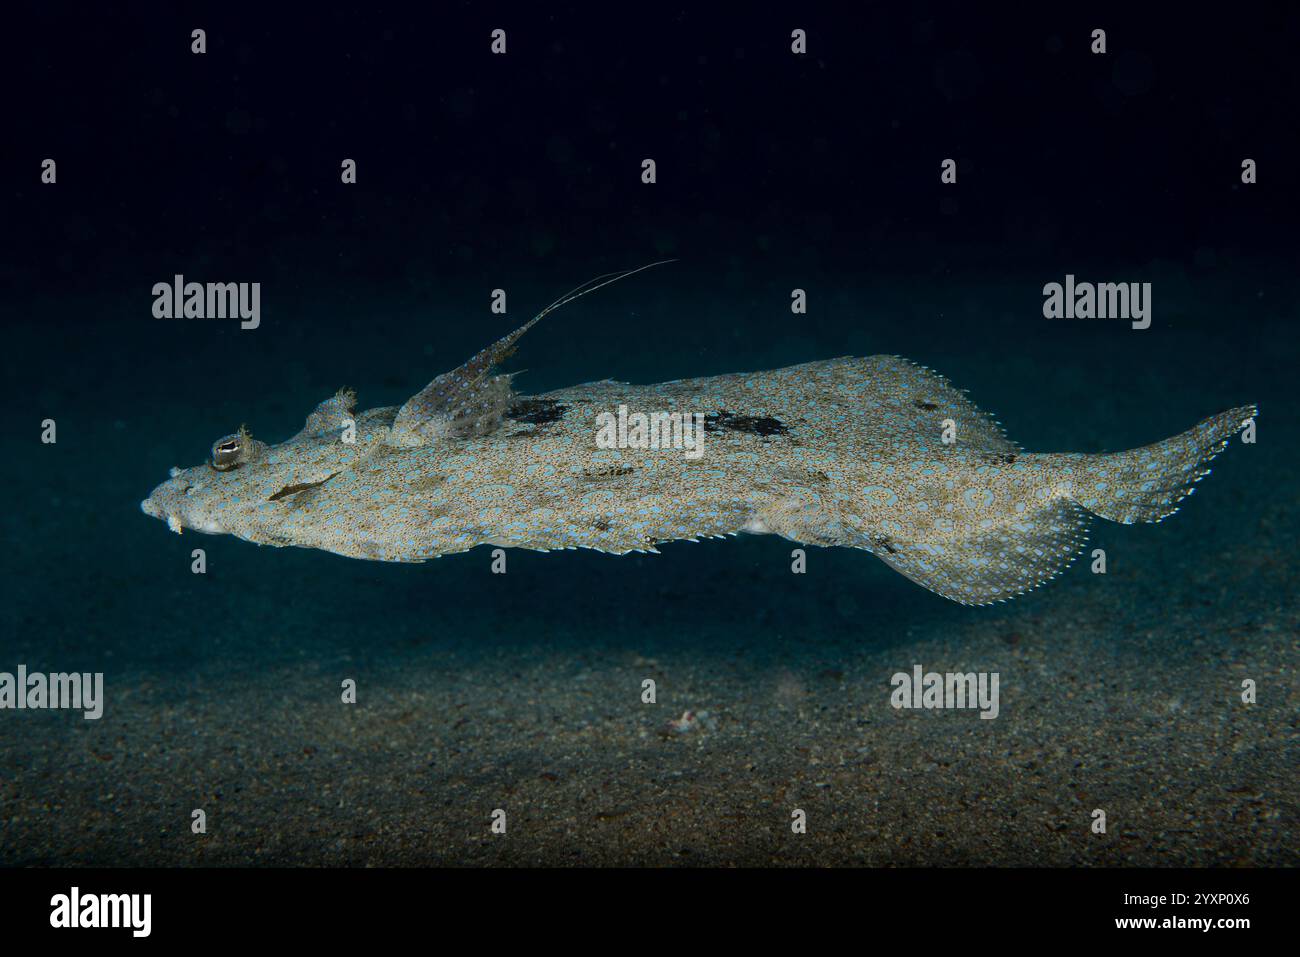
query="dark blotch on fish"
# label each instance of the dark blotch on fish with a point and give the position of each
(609, 472)
(882, 541)
(724, 421)
(537, 411)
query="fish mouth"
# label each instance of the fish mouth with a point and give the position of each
(154, 509)
(165, 503)
(169, 503)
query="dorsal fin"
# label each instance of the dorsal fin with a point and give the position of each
(470, 400)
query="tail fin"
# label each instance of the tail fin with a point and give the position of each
(1146, 484)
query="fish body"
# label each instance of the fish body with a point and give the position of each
(875, 453)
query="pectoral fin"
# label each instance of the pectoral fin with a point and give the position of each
(470, 400)
(465, 402)
(331, 415)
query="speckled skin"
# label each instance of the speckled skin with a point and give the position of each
(841, 452)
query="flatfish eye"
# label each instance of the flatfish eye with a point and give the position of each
(227, 453)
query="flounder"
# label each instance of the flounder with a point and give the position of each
(876, 453)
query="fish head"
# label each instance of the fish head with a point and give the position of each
(246, 487)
